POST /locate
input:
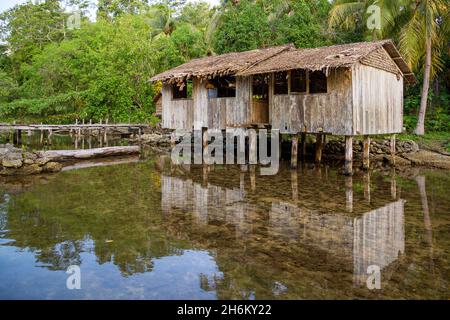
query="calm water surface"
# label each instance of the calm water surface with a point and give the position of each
(155, 231)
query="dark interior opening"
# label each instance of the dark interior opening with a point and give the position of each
(260, 87)
(182, 90)
(298, 81)
(222, 87)
(281, 83)
(317, 82)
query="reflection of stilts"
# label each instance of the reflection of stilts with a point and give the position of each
(253, 177)
(426, 217)
(366, 179)
(349, 194)
(393, 185)
(294, 184)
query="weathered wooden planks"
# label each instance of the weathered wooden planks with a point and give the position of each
(377, 101)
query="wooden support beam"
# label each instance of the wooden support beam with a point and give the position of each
(303, 145)
(348, 168)
(294, 151)
(393, 149)
(204, 143)
(253, 147)
(319, 148)
(366, 152)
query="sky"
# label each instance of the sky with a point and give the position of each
(6, 4)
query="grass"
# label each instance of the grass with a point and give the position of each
(437, 141)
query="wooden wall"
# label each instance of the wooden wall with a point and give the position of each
(377, 101)
(361, 100)
(200, 96)
(176, 114)
(329, 112)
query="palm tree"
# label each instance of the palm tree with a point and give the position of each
(421, 40)
(419, 25)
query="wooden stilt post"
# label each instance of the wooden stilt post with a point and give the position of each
(105, 133)
(204, 143)
(49, 138)
(366, 153)
(19, 137)
(319, 147)
(253, 147)
(303, 145)
(42, 137)
(294, 150)
(348, 169)
(14, 138)
(393, 149)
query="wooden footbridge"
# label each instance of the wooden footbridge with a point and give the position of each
(78, 129)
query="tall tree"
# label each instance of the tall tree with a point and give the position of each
(421, 27)
(421, 40)
(29, 27)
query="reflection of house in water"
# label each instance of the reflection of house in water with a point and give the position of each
(374, 238)
(379, 238)
(205, 202)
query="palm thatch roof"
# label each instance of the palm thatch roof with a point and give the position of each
(282, 58)
(221, 65)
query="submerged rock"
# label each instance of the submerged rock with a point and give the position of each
(11, 163)
(52, 167)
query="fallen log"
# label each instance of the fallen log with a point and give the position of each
(70, 155)
(100, 163)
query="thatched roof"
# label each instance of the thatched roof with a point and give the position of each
(288, 58)
(225, 64)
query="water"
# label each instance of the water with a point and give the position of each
(149, 230)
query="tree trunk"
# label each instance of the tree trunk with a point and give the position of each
(420, 128)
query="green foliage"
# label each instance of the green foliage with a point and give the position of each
(303, 24)
(49, 73)
(242, 27)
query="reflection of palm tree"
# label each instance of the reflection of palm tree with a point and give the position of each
(426, 216)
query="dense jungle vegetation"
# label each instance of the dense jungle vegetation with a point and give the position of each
(62, 60)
